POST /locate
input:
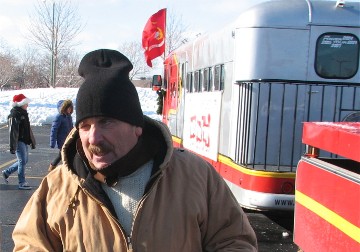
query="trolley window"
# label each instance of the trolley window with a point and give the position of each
(219, 77)
(197, 81)
(189, 83)
(337, 56)
(207, 79)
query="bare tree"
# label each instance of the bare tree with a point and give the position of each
(175, 32)
(30, 71)
(8, 63)
(133, 50)
(54, 29)
(68, 66)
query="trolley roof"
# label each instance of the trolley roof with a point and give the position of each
(300, 13)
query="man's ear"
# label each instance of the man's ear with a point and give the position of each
(138, 131)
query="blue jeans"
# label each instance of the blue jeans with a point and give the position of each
(22, 154)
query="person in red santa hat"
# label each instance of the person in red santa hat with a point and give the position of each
(21, 137)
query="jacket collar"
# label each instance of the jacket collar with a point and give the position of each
(154, 132)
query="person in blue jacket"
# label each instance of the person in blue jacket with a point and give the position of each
(60, 128)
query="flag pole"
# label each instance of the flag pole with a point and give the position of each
(165, 31)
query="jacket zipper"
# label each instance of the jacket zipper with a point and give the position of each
(126, 239)
(130, 248)
(137, 211)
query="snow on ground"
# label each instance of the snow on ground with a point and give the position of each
(42, 108)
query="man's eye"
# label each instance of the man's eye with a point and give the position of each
(106, 121)
(84, 127)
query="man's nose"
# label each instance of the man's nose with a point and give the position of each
(95, 135)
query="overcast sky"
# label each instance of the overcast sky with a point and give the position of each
(109, 23)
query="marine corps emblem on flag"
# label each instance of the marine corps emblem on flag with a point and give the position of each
(153, 37)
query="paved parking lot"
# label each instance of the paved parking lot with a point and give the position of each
(13, 200)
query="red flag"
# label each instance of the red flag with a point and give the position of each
(153, 37)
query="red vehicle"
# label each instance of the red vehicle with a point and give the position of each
(238, 96)
(327, 197)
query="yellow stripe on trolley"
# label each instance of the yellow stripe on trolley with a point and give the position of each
(331, 217)
(229, 162)
(177, 140)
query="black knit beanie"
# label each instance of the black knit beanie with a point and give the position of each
(107, 90)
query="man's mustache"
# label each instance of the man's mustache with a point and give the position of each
(100, 149)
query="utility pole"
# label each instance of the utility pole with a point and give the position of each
(52, 79)
(52, 63)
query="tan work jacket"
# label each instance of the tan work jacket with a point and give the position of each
(186, 207)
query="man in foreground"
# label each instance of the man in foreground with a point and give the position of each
(122, 186)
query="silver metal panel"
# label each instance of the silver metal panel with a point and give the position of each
(277, 39)
(299, 14)
(271, 53)
(279, 14)
(217, 48)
